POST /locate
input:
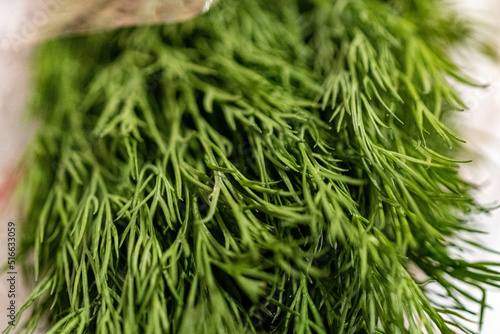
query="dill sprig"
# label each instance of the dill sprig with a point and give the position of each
(271, 166)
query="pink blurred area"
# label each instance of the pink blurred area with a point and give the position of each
(15, 133)
(480, 126)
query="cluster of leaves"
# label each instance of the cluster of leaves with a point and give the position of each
(269, 167)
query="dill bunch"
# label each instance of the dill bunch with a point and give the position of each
(269, 167)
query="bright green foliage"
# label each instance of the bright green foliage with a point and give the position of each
(269, 167)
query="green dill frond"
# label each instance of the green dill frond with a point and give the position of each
(269, 167)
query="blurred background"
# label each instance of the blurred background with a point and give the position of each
(480, 125)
